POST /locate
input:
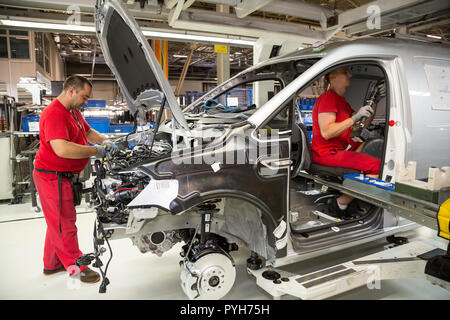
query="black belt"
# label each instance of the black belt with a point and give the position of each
(61, 175)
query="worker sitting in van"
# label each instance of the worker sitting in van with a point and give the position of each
(331, 145)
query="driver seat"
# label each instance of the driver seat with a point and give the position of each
(305, 163)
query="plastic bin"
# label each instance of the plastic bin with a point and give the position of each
(307, 119)
(101, 124)
(30, 123)
(119, 128)
(95, 104)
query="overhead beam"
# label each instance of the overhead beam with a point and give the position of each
(175, 12)
(187, 4)
(247, 7)
(429, 25)
(254, 27)
(384, 15)
(185, 69)
(150, 12)
(170, 3)
(361, 13)
(298, 9)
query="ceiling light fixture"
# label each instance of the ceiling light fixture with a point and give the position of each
(81, 51)
(147, 33)
(179, 56)
(434, 37)
(50, 26)
(195, 37)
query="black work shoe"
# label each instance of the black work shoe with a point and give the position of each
(48, 272)
(335, 211)
(87, 276)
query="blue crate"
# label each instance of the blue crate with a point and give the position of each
(120, 128)
(95, 104)
(30, 120)
(310, 134)
(371, 181)
(101, 124)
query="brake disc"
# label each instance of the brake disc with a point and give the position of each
(209, 278)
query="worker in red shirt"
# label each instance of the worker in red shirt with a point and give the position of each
(331, 145)
(64, 152)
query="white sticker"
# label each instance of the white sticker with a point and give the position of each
(33, 125)
(216, 166)
(161, 185)
(335, 229)
(279, 231)
(157, 192)
(280, 244)
(438, 77)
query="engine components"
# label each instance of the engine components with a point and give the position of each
(156, 242)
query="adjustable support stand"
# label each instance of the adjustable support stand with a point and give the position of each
(439, 266)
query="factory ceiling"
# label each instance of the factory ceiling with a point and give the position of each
(307, 21)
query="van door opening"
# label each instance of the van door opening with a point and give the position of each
(310, 219)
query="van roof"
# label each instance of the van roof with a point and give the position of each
(369, 47)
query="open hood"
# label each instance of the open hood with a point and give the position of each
(131, 59)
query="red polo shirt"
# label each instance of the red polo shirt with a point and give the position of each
(330, 101)
(56, 122)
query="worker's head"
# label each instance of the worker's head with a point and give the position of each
(339, 78)
(76, 90)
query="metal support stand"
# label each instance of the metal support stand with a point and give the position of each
(254, 262)
(30, 154)
(439, 266)
(404, 261)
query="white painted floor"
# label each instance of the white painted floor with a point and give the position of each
(134, 275)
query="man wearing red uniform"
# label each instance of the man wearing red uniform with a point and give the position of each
(331, 145)
(64, 151)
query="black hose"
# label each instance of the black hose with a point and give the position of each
(163, 102)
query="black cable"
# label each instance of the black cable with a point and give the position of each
(163, 102)
(105, 280)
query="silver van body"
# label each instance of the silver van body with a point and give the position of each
(411, 97)
(157, 201)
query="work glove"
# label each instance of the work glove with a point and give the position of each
(363, 112)
(381, 92)
(110, 147)
(101, 152)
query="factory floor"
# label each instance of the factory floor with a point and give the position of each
(134, 275)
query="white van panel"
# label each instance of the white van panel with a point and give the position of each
(430, 135)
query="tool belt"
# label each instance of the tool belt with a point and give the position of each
(77, 187)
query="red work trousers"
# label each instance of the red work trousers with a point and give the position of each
(61, 248)
(350, 160)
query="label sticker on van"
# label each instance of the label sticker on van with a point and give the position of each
(279, 231)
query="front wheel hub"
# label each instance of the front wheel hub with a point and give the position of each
(209, 278)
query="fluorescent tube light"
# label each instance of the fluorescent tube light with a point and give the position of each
(51, 26)
(179, 56)
(194, 37)
(434, 37)
(147, 33)
(81, 51)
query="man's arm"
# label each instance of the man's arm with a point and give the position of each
(329, 128)
(70, 150)
(94, 137)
